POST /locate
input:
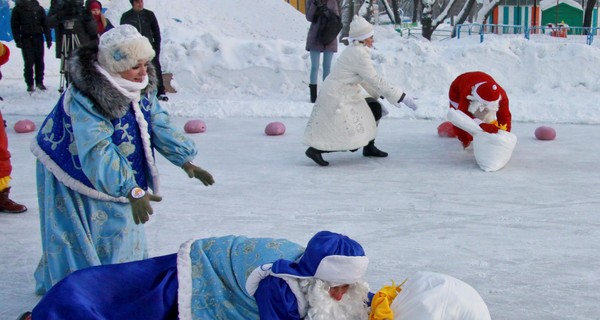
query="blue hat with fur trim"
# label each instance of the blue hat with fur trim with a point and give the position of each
(329, 256)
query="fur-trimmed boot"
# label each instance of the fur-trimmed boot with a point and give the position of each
(9, 206)
(371, 150)
(313, 92)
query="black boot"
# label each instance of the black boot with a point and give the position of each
(313, 92)
(371, 150)
(315, 155)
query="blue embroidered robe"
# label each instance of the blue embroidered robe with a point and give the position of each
(205, 280)
(86, 165)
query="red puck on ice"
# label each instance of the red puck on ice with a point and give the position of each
(446, 129)
(194, 126)
(275, 129)
(545, 133)
(24, 126)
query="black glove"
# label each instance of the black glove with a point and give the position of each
(196, 172)
(322, 7)
(140, 207)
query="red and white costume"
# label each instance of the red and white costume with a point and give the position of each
(479, 96)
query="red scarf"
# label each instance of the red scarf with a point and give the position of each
(99, 23)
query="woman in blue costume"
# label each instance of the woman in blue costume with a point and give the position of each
(95, 154)
(231, 277)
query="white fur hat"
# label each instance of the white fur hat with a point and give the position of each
(360, 29)
(122, 47)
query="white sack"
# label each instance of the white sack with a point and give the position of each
(436, 296)
(463, 121)
(493, 151)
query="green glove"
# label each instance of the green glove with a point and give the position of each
(140, 204)
(197, 172)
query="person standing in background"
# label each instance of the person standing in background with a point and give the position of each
(102, 23)
(146, 23)
(29, 28)
(60, 15)
(314, 8)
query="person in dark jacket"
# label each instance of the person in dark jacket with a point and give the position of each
(73, 27)
(146, 23)
(314, 8)
(29, 28)
(61, 13)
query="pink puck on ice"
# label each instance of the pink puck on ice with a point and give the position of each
(275, 129)
(545, 133)
(194, 126)
(24, 126)
(446, 129)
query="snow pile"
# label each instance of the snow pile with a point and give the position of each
(237, 58)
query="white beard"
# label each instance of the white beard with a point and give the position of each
(483, 112)
(321, 306)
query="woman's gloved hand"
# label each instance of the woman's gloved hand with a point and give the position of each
(406, 100)
(198, 173)
(410, 103)
(140, 204)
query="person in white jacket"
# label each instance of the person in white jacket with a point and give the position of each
(342, 119)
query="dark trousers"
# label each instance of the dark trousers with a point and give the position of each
(32, 48)
(375, 107)
(156, 63)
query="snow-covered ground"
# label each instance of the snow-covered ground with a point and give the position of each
(525, 237)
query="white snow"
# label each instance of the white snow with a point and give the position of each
(526, 237)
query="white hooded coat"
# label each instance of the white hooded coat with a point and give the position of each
(341, 118)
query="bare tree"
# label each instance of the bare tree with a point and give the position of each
(390, 12)
(415, 10)
(430, 23)
(485, 11)
(349, 8)
(396, 9)
(463, 14)
(587, 17)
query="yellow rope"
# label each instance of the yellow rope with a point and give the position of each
(382, 300)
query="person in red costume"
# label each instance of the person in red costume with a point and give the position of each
(479, 96)
(6, 205)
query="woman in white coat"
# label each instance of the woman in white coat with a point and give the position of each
(342, 119)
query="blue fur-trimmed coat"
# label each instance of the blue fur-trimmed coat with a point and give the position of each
(92, 149)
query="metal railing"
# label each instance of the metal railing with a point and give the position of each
(528, 31)
(414, 31)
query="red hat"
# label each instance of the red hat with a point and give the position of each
(95, 5)
(485, 92)
(4, 53)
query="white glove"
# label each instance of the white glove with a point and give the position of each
(409, 103)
